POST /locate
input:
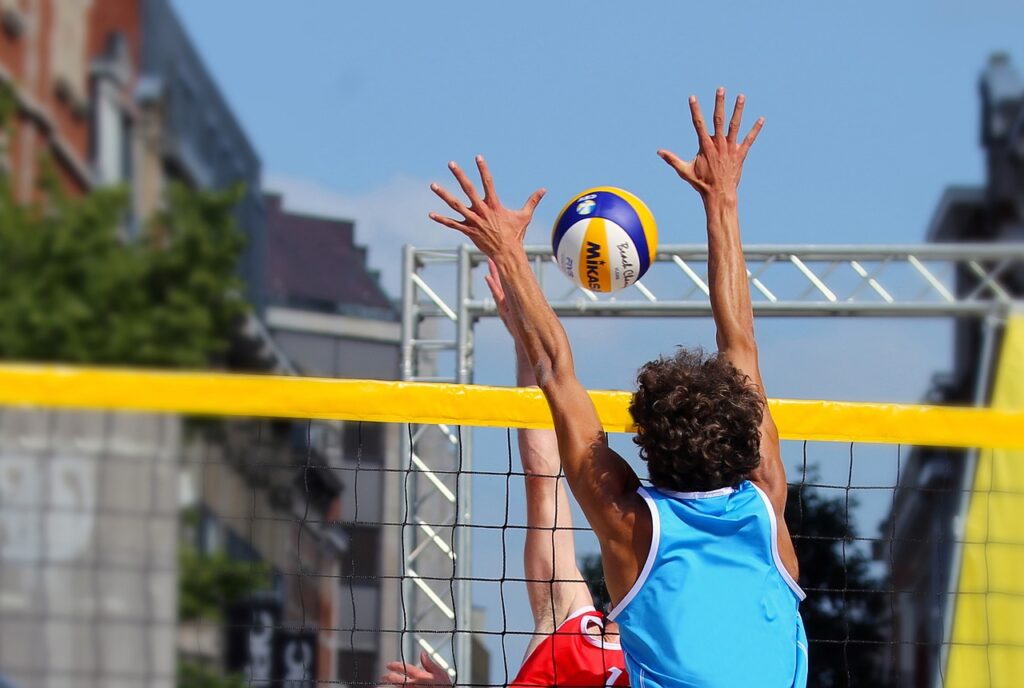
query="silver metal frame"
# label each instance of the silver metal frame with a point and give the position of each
(440, 307)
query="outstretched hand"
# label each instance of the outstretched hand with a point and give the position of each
(429, 675)
(491, 227)
(718, 165)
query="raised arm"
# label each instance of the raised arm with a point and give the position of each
(553, 580)
(715, 174)
(602, 482)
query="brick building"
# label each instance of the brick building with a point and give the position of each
(56, 54)
(113, 92)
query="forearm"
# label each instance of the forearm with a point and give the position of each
(538, 449)
(727, 274)
(546, 360)
(734, 321)
(597, 476)
(538, 330)
(554, 584)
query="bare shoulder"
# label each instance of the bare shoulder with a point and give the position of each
(770, 475)
(625, 549)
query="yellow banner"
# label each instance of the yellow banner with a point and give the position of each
(988, 623)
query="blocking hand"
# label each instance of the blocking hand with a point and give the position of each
(491, 227)
(718, 164)
(429, 675)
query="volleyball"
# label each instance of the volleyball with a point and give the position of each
(604, 239)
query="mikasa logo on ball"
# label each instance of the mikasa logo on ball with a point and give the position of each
(594, 264)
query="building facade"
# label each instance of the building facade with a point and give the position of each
(52, 54)
(112, 92)
(926, 518)
(200, 141)
(330, 316)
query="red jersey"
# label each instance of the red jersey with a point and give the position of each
(573, 657)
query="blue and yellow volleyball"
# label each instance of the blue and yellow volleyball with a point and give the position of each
(605, 239)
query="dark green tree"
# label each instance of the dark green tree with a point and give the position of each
(74, 289)
(847, 610)
(192, 674)
(208, 583)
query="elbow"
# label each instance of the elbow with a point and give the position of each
(556, 371)
(740, 341)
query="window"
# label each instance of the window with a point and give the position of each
(357, 668)
(111, 135)
(68, 58)
(12, 18)
(363, 442)
(363, 558)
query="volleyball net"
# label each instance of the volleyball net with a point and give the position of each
(223, 530)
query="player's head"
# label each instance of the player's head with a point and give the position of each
(698, 422)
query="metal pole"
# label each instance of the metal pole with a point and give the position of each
(463, 543)
(407, 606)
(989, 340)
(803, 309)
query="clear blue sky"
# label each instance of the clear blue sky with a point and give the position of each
(871, 111)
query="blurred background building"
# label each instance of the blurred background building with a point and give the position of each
(328, 313)
(110, 526)
(113, 93)
(928, 514)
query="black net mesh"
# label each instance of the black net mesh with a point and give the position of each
(154, 550)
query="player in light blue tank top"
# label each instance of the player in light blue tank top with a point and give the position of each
(701, 566)
(712, 560)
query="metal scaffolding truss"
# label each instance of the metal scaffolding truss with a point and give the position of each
(443, 296)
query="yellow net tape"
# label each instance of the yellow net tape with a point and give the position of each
(221, 394)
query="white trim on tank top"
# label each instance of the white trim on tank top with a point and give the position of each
(599, 643)
(652, 554)
(579, 612)
(797, 590)
(656, 537)
(720, 492)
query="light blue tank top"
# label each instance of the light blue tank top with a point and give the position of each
(713, 605)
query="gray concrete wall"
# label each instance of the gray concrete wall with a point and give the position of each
(88, 549)
(326, 356)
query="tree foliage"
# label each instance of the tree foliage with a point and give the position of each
(74, 289)
(207, 583)
(192, 674)
(847, 610)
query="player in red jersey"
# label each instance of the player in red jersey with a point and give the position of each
(573, 644)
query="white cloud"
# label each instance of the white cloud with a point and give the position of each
(386, 217)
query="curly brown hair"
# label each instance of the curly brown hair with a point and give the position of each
(698, 421)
